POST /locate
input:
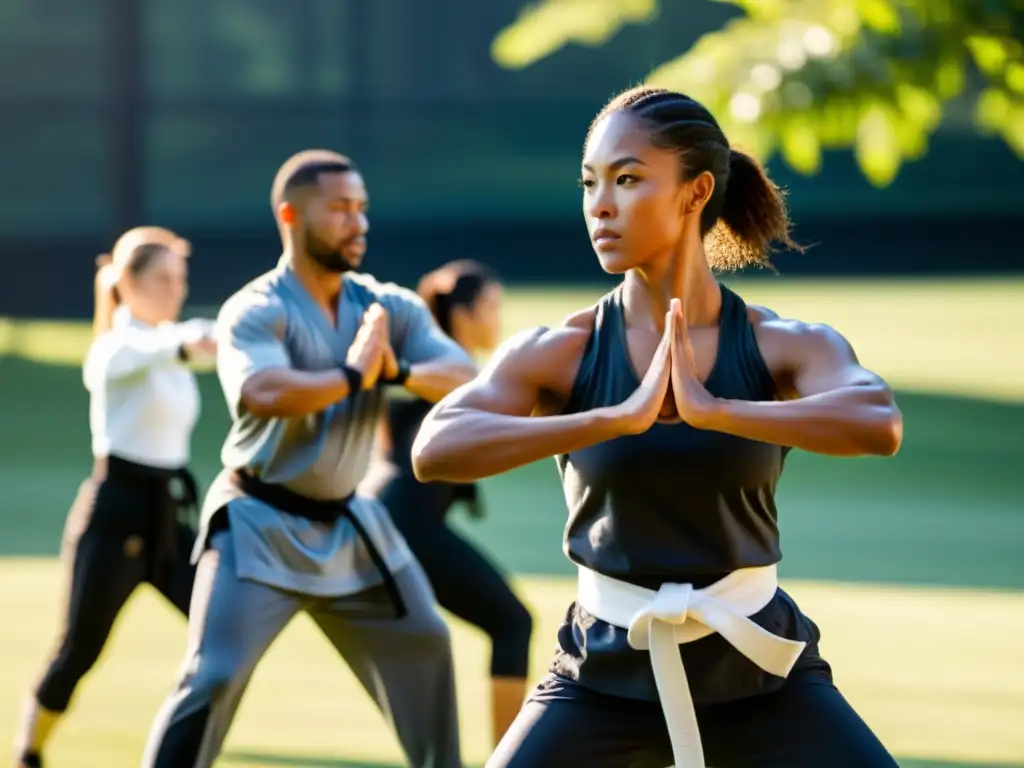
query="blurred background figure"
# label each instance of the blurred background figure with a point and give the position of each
(895, 127)
(302, 350)
(133, 518)
(465, 299)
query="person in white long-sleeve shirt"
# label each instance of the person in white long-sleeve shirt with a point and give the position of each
(133, 518)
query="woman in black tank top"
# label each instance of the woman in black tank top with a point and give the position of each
(465, 298)
(670, 407)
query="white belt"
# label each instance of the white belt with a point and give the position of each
(677, 613)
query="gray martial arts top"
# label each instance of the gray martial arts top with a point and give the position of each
(273, 322)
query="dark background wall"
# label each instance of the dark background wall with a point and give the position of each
(120, 112)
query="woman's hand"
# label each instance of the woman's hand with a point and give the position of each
(637, 413)
(695, 405)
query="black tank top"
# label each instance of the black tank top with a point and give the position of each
(673, 504)
(410, 502)
(404, 418)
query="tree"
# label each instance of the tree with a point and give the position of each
(801, 76)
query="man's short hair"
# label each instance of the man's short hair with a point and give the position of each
(303, 170)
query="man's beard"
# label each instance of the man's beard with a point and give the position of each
(331, 258)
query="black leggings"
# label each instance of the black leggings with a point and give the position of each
(465, 582)
(114, 539)
(806, 724)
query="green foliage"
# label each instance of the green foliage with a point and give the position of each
(801, 76)
(543, 28)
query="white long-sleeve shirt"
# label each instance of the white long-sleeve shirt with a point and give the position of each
(144, 401)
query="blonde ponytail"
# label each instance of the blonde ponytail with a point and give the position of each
(107, 299)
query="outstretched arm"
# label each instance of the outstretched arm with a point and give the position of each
(833, 405)
(123, 352)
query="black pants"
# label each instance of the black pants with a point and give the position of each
(464, 581)
(806, 724)
(122, 530)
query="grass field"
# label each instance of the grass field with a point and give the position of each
(913, 567)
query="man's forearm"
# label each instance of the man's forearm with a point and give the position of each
(434, 379)
(284, 393)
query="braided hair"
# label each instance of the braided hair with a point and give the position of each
(746, 212)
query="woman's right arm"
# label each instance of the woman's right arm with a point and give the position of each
(491, 424)
(120, 353)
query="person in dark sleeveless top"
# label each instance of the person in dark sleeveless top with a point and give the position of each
(670, 407)
(465, 298)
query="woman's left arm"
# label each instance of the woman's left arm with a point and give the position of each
(832, 404)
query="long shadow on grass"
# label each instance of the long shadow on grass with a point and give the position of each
(257, 758)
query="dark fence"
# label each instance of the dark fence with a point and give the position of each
(119, 112)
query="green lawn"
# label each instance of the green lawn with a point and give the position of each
(935, 671)
(913, 566)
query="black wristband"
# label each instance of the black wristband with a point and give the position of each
(403, 373)
(183, 355)
(353, 377)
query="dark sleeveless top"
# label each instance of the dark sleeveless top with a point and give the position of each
(410, 502)
(673, 504)
(404, 418)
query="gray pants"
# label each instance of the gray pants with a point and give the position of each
(404, 664)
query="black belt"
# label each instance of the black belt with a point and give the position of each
(327, 511)
(170, 507)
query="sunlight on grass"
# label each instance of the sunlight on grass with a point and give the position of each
(943, 336)
(953, 337)
(935, 671)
